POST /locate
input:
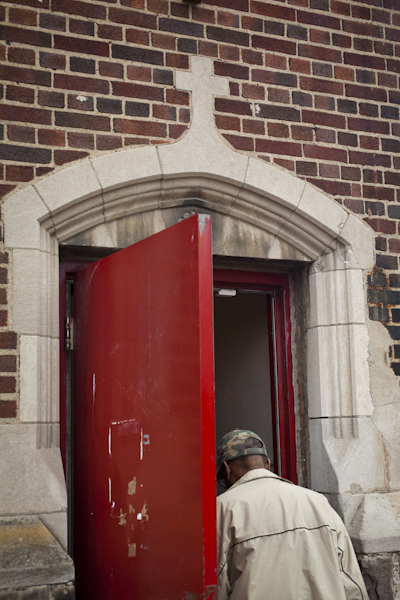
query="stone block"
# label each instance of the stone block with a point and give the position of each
(71, 185)
(122, 168)
(33, 479)
(22, 213)
(381, 575)
(30, 555)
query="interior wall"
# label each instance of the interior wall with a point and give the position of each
(242, 366)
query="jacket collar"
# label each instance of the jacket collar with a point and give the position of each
(257, 474)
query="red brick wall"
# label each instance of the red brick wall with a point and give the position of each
(314, 88)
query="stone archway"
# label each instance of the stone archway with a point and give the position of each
(276, 216)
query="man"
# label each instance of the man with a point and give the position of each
(276, 540)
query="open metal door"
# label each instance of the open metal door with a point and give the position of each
(143, 405)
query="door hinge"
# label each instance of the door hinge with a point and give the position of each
(69, 333)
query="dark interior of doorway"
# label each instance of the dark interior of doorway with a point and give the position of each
(243, 360)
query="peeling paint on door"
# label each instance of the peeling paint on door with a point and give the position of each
(131, 550)
(132, 487)
(122, 520)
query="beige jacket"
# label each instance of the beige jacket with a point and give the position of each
(278, 541)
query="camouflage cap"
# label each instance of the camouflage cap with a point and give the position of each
(233, 445)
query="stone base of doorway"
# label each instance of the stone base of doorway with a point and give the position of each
(33, 565)
(64, 592)
(381, 574)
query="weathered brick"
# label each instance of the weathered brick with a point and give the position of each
(54, 99)
(363, 76)
(110, 32)
(269, 10)
(20, 94)
(49, 60)
(25, 114)
(394, 246)
(369, 142)
(153, 57)
(19, 173)
(275, 147)
(302, 99)
(109, 105)
(138, 36)
(139, 73)
(351, 173)
(80, 102)
(136, 90)
(137, 109)
(274, 28)
(255, 92)
(108, 142)
(274, 78)
(302, 133)
(366, 93)
(164, 41)
(284, 113)
(136, 127)
(204, 15)
(382, 226)
(8, 363)
(81, 45)
(25, 154)
(321, 85)
(318, 53)
(369, 158)
(82, 121)
(81, 28)
(233, 106)
(325, 103)
(82, 9)
(25, 36)
(229, 70)
(22, 55)
(180, 10)
(356, 206)
(368, 125)
(25, 75)
(52, 21)
(364, 60)
(252, 57)
(82, 84)
(341, 8)
(7, 385)
(392, 178)
(229, 53)
(240, 142)
(181, 27)
(187, 45)
(111, 69)
(372, 176)
(80, 140)
(306, 168)
(17, 133)
(343, 41)
(363, 29)
(278, 130)
(378, 314)
(177, 61)
(253, 127)
(164, 112)
(390, 145)
(322, 153)
(363, 45)
(159, 7)
(252, 23)
(320, 118)
(318, 20)
(296, 32)
(228, 19)
(387, 80)
(62, 157)
(394, 282)
(82, 65)
(51, 137)
(328, 170)
(274, 44)
(227, 123)
(8, 409)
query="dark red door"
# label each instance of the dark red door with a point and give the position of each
(144, 456)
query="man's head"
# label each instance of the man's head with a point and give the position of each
(240, 451)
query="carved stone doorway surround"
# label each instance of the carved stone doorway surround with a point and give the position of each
(272, 213)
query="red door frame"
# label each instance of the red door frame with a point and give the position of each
(280, 350)
(281, 363)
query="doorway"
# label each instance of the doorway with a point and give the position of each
(262, 310)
